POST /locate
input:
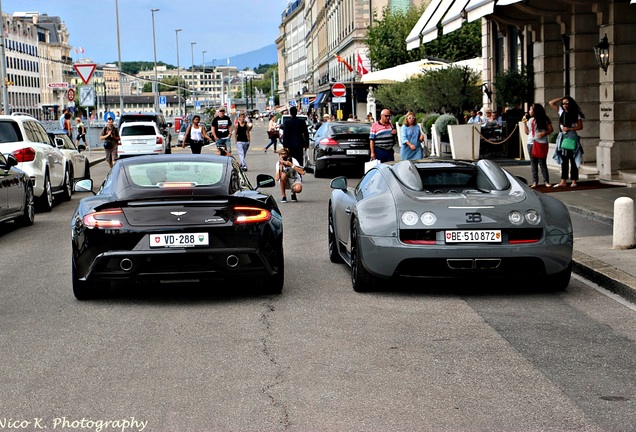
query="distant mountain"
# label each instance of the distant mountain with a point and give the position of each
(265, 55)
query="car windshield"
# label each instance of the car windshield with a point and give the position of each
(137, 130)
(351, 129)
(184, 126)
(166, 174)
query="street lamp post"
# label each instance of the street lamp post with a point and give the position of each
(203, 69)
(192, 44)
(176, 32)
(154, 45)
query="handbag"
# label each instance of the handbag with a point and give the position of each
(370, 164)
(272, 134)
(426, 152)
(539, 150)
(568, 143)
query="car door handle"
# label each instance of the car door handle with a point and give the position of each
(348, 210)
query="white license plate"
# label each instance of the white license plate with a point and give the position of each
(179, 240)
(473, 236)
(357, 152)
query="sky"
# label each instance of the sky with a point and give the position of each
(223, 28)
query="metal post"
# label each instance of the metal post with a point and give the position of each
(194, 103)
(203, 76)
(178, 73)
(121, 84)
(154, 46)
(3, 69)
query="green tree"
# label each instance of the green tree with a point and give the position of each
(461, 44)
(449, 90)
(513, 87)
(168, 84)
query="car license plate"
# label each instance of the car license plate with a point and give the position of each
(473, 236)
(357, 152)
(179, 240)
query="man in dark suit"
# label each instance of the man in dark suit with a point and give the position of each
(295, 135)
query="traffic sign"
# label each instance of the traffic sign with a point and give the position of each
(59, 85)
(85, 71)
(305, 101)
(71, 95)
(87, 96)
(339, 90)
(163, 101)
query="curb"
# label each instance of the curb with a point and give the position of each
(605, 275)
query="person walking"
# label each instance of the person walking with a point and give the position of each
(110, 136)
(195, 136)
(538, 127)
(382, 137)
(66, 123)
(569, 152)
(289, 175)
(412, 138)
(242, 139)
(272, 133)
(81, 131)
(295, 135)
(222, 130)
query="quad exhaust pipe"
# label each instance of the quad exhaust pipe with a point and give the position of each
(473, 264)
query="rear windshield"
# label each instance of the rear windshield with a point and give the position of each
(138, 118)
(351, 129)
(9, 132)
(137, 130)
(158, 174)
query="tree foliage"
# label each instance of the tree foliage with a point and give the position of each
(168, 84)
(133, 68)
(450, 90)
(513, 87)
(386, 39)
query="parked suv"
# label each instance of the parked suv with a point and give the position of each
(49, 170)
(158, 118)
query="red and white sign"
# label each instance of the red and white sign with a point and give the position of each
(85, 70)
(58, 85)
(71, 95)
(339, 90)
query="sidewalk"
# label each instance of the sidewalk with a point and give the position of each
(594, 257)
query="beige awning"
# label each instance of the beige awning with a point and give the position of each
(413, 39)
(400, 73)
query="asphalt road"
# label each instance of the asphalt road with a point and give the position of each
(318, 357)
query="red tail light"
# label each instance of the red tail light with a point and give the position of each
(249, 215)
(328, 142)
(104, 219)
(25, 154)
(159, 140)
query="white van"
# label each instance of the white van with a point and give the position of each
(140, 138)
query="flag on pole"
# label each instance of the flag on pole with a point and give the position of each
(360, 66)
(81, 49)
(341, 60)
(228, 61)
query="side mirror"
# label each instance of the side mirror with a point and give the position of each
(11, 161)
(85, 185)
(59, 143)
(265, 181)
(81, 147)
(339, 183)
(169, 124)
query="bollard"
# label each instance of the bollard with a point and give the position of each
(623, 223)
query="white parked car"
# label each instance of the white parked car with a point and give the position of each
(49, 170)
(80, 165)
(140, 138)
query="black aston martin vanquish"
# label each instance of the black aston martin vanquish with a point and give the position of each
(176, 217)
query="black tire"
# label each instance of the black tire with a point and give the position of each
(320, 172)
(274, 284)
(561, 280)
(332, 242)
(45, 202)
(83, 290)
(361, 279)
(28, 215)
(67, 190)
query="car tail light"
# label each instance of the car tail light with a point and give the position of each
(25, 154)
(159, 140)
(248, 215)
(104, 219)
(328, 142)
